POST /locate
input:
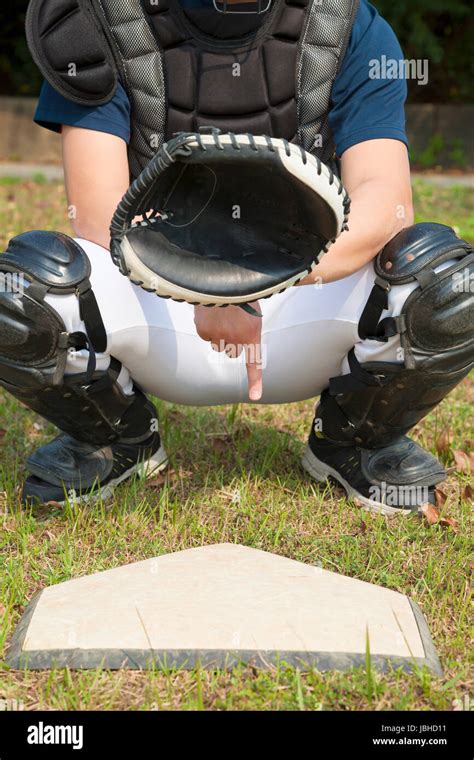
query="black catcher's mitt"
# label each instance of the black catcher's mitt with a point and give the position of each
(227, 218)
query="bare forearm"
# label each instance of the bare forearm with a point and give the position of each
(96, 175)
(376, 174)
(377, 214)
(96, 233)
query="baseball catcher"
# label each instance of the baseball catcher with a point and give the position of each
(210, 152)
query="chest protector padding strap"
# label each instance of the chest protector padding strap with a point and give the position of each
(69, 47)
(140, 63)
(275, 80)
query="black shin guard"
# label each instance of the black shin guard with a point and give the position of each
(378, 402)
(358, 436)
(34, 343)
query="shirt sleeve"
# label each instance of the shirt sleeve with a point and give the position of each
(54, 110)
(364, 107)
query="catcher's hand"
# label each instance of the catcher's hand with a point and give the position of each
(234, 332)
(227, 218)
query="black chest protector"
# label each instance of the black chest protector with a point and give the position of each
(269, 73)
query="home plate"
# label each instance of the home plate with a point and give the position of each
(217, 606)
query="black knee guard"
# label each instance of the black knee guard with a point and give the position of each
(379, 401)
(34, 343)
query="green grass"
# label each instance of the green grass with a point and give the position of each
(236, 477)
(446, 205)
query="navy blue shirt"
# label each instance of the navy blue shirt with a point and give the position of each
(362, 108)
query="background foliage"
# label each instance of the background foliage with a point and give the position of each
(433, 29)
(442, 32)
